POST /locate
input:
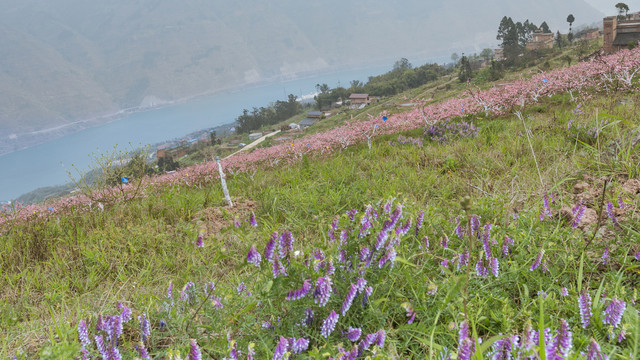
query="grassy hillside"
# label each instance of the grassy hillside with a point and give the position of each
(448, 238)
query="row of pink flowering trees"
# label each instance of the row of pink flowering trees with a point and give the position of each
(606, 74)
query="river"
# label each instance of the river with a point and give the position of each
(48, 164)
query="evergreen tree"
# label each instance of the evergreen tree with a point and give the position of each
(545, 28)
(465, 69)
(559, 40)
(508, 33)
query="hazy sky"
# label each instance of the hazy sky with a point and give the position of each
(608, 7)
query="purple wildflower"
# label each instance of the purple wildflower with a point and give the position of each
(251, 351)
(594, 352)
(278, 268)
(114, 354)
(565, 339)
(564, 292)
(194, 352)
(281, 349)
(100, 345)
(389, 256)
(425, 240)
(348, 300)
(458, 230)
(216, 302)
(365, 298)
(286, 244)
(299, 345)
(622, 335)
(365, 226)
(323, 291)
(502, 348)
(170, 291)
(209, 288)
(329, 324)
(578, 212)
(537, 261)
(475, 225)
(353, 334)
(605, 255)
(506, 246)
(584, 303)
(368, 340)
(444, 265)
(445, 242)
(611, 215)
(236, 222)
(494, 265)
(462, 260)
(419, 221)
(145, 327)
(269, 250)
(485, 241)
(83, 334)
(364, 253)
(546, 210)
(252, 220)
(542, 294)
(352, 214)
(481, 270)
(253, 257)
(332, 234)
(620, 202)
(200, 242)
(387, 206)
(126, 312)
(330, 268)
(466, 346)
(242, 287)
(381, 335)
(300, 293)
(308, 317)
(381, 240)
(142, 350)
(188, 292)
(613, 312)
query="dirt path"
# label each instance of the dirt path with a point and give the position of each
(254, 144)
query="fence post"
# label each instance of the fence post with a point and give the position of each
(224, 183)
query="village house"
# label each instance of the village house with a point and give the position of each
(306, 122)
(315, 114)
(172, 152)
(358, 100)
(618, 34)
(591, 34)
(540, 40)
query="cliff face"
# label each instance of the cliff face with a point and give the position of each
(69, 60)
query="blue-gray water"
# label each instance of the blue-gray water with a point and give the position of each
(47, 164)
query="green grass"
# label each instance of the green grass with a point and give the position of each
(78, 265)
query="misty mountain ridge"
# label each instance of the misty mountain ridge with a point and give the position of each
(65, 61)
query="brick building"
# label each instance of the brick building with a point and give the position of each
(618, 34)
(540, 40)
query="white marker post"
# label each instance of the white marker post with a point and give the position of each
(224, 183)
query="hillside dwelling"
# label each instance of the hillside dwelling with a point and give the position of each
(498, 54)
(173, 152)
(540, 40)
(618, 34)
(255, 136)
(314, 114)
(359, 99)
(307, 122)
(590, 34)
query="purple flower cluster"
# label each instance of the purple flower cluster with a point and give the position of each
(578, 213)
(254, 257)
(353, 334)
(409, 140)
(584, 303)
(286, 345)
(329, 324)
(443, 131)
(323, 291)
(537, 261)
(613, 313)
(301, 292)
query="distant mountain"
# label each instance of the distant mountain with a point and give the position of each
(65, 61)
